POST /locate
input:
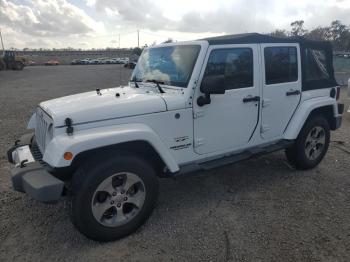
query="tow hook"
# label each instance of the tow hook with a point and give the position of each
(23, 163)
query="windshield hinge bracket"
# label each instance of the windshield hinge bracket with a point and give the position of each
(198, 114)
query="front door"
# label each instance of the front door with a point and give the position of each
(229, 121)
(281, 87)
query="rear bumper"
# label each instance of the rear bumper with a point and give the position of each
(340, 109)
(338, 119)
(337, 122)
(30, 176)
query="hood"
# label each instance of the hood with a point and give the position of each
(110, 103)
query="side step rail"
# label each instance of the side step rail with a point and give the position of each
(234, 158)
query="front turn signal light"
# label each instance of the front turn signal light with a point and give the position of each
(68, 156)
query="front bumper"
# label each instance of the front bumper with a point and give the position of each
(30, 176)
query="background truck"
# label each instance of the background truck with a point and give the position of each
(9, 61)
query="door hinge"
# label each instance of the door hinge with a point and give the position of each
(199, 142)
(266, 102)
(198, 114)
(264, 129)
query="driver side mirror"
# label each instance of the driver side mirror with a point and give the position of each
(211, 85)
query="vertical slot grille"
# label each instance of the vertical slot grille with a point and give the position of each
(41, 129)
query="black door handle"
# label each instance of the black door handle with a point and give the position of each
(293, 93)
(251, 99)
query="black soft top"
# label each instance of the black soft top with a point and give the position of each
(255, 38)
(305, 46)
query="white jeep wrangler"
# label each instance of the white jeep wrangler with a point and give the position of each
(189, 106)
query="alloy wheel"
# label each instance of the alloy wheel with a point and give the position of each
(315, 142)
(118, 199)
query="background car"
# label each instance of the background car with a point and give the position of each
(108, 61)
(94, 61)
(52, 63)
(85, 61)
(124, 60)
(130, 65)
(76, 62)
(30, 63)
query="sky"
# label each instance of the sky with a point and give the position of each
(89, 24)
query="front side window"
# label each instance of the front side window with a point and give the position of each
(316, 65)
(281, 65)
(171, 65)
(236, 65)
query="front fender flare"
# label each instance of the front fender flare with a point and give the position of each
(303, 112)
(84, 140)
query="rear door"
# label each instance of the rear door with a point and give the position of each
(281, 87)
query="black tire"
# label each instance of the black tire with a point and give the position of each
(297, 154)
(2, 65)
(19, 65)
(87, 179)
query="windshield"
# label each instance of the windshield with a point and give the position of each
(171, 65)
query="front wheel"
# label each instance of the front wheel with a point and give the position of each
(114, 198)
(311, 145)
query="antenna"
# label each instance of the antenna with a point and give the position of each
(120, 74)
(2, 43)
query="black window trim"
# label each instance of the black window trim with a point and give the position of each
(288, 45)
(230, 48)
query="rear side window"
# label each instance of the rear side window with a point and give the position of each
(281, 65)
(235, 64)
(316, 65)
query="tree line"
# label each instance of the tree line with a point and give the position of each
(337, 33)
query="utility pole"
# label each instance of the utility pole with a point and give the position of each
(119, 41)
(138, 38)
(2, 43)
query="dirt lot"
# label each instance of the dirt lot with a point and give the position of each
(258, 210)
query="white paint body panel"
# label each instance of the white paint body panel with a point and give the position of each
(90, 106)
(32, 122)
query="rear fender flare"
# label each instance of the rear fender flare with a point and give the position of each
(302, 113)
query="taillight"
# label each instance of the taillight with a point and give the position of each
(338, 93)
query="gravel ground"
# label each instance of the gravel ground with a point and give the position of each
(257, 210)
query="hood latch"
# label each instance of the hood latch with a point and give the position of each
(69, 130)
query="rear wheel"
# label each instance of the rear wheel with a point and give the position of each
(114, 198)
(311, 145)
(18, 65)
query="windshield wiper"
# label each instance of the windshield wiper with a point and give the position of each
(135, 82)
(157, 82)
